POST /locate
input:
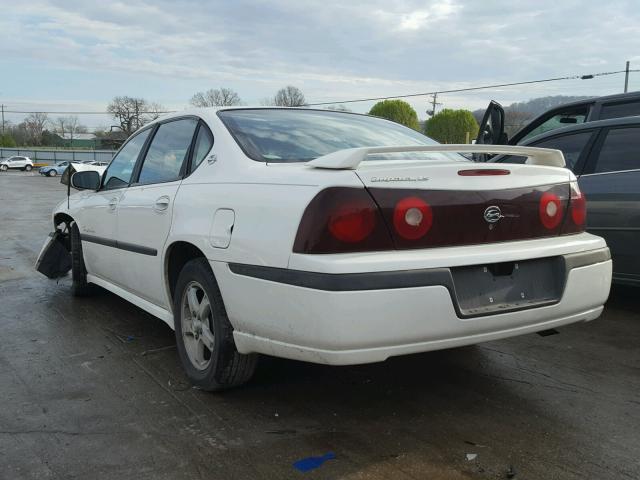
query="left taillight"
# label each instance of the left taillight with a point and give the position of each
(339, 220)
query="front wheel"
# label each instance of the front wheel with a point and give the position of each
(4, 168)
(204, 335)
(52, 173)
(28, 168)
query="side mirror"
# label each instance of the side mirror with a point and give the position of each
(87, 180)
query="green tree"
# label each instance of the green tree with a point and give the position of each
(397, 111)
(7, 141)
(451, 126)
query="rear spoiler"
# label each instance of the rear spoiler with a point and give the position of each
(350, 158)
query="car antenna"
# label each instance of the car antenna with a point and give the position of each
(67, 173)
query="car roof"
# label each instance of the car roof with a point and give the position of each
(611, 122)
(605, 99)
(209, 112)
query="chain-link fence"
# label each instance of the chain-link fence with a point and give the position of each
(52, 156)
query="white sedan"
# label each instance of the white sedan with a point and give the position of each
(329, 237)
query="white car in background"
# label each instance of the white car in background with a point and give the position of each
(330, 237)
(16, 163)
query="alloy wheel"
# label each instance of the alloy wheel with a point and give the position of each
(197, 325)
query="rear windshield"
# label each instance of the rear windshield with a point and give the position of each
(281, 135)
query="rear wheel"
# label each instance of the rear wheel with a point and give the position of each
(79, 285)
(52, 173)
(204, 335)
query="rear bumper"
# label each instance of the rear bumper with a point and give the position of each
(248, 343)
(368, 317)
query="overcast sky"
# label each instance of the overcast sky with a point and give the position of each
(79, 54)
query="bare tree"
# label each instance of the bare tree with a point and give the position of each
(67, 127)
(133, 113)
(223, 97)
(72, 126)
(60, 126)
(35, 124)
(289, 96)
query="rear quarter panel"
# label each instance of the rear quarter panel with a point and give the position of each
(268, 202)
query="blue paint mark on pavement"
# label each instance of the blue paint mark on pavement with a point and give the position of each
(311, 463)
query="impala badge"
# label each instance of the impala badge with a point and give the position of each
(493, 214)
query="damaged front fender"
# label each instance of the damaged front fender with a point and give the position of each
(54, 260)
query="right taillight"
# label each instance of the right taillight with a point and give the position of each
(577, 215)
(550, 210)
(339, 220)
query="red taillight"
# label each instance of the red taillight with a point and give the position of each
(412, 218)
(339, 220)
(352, 223)
(577, 217)
(550, 210)
(342, 219)
(579, 209)
(481, 172)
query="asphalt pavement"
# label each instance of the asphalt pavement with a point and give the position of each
(92, 388)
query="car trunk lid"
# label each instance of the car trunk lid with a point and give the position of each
(458, 203)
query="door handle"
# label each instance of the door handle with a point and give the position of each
(113, 203)
(162, 203)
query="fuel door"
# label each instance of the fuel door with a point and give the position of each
(222, 228)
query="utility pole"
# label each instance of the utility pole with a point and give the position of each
(626, 78)
(434, 104)
(2, 119)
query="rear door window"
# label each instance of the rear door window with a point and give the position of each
(204, 142)
(620, 109)
(620, 151)
(168, 151)
(572, 146)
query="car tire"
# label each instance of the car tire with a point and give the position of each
(79, 285)
(28, 168)
(224, 367)
(52, 173)
(4, 168)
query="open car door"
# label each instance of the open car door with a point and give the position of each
(492, 127)
(491, 130)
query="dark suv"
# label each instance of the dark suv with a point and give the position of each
(583, 111)
(605, 156)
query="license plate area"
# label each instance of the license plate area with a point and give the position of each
(507, 286)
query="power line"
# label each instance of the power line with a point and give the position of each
(435, 92)
(468, 89)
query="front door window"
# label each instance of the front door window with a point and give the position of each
(119, 173)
